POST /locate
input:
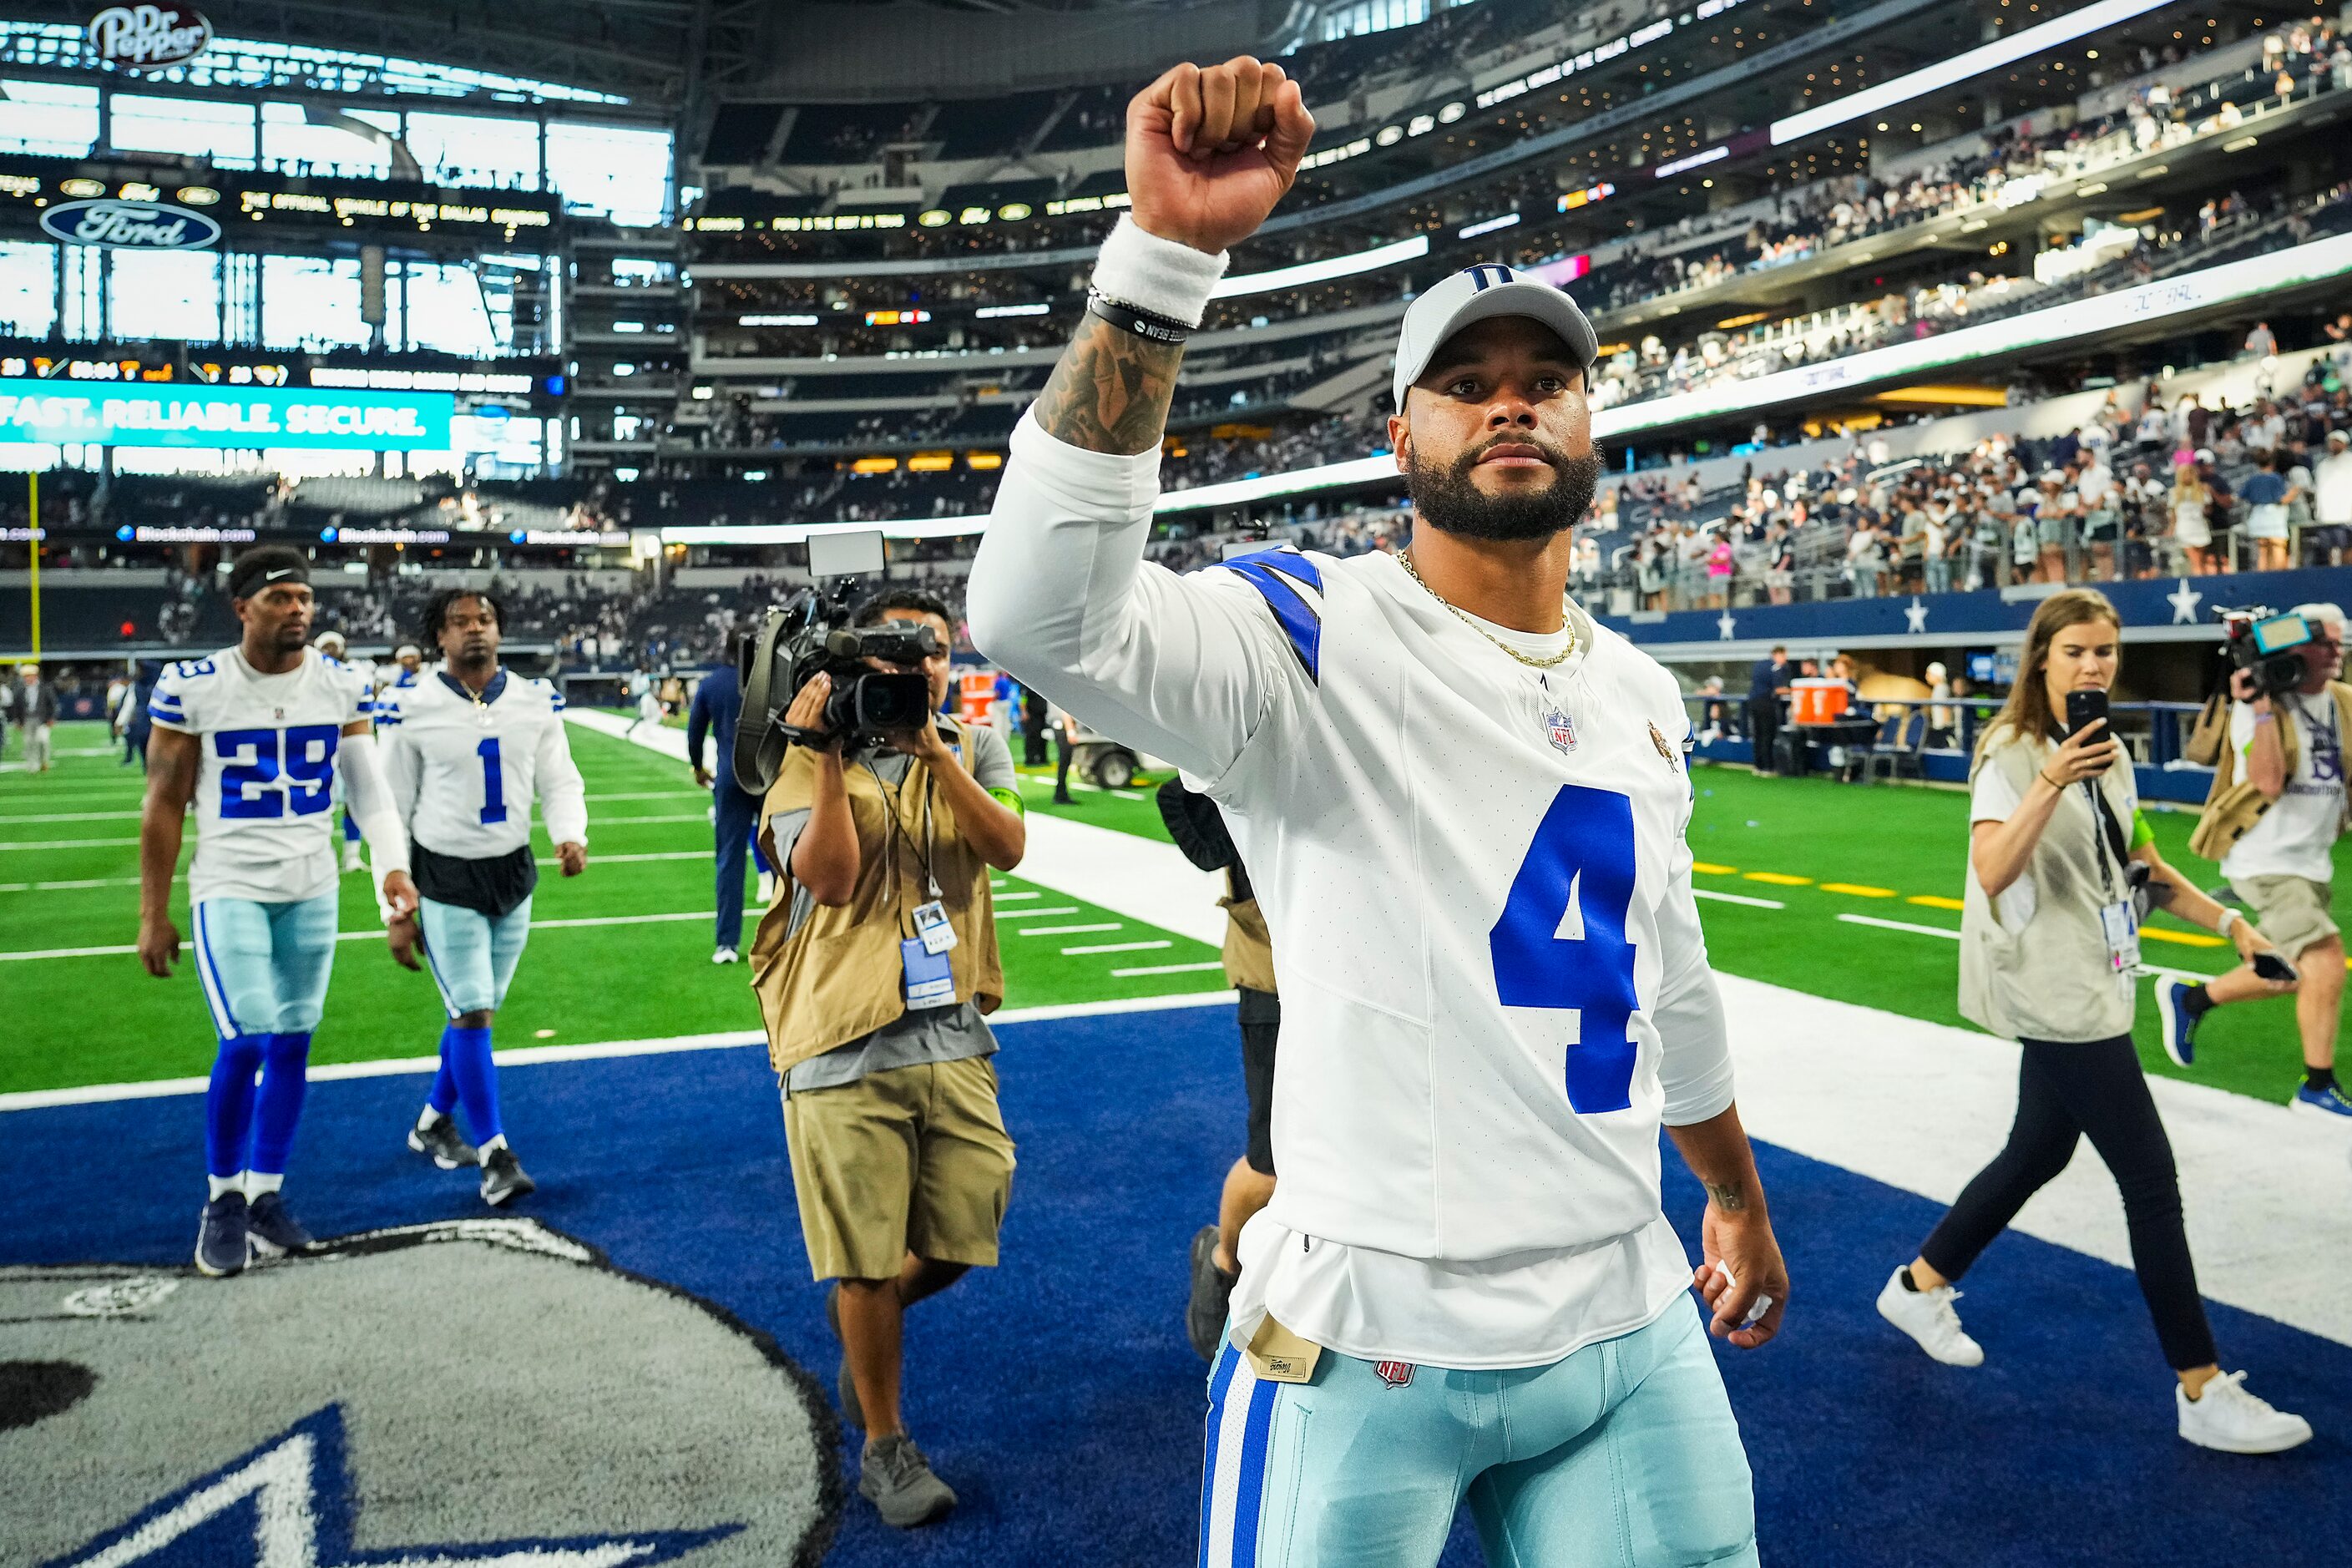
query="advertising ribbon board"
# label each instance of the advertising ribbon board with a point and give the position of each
(44, 411)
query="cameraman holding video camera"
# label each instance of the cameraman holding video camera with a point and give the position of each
(2276, 809)
(874, 975)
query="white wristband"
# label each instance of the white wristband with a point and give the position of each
(1165, 277)
(2229, 918)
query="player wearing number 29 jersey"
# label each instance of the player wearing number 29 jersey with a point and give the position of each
(1466, 835)
(263, 828)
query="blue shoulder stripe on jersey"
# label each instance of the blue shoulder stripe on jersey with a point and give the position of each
(1289, 562)
(1297, 618)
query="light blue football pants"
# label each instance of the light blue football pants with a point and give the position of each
(1624, 1455)
(265, 966)
(472, 956)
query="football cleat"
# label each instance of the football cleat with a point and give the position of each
(503, 1179)
(274, 1231)
(222, 1245)
(442, 1145)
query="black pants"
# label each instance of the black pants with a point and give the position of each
(2065, 1089)
(1763, 729)
(1063, 752)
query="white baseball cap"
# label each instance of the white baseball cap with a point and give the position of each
(1476, 294)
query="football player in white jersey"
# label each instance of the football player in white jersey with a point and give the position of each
(257, 737)
(1463, 804)
(331, 645)
(469, 748)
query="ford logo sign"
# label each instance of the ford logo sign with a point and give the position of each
(139, 35)
(131, 226)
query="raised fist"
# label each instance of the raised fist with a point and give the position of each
(1210, 151)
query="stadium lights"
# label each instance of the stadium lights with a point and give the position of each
(1486, 226)
(994, 313)
(1323, 271)
(2001, 51)
(788, 319)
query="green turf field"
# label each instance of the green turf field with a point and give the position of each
(68, 880)
(68, 863)
(1823, 850)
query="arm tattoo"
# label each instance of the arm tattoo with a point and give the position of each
(1731, 1197)
(1111, 391)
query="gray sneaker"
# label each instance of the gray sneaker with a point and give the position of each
(503, 1180)
(844, 1387)
(441, 1144)
(898, 1480)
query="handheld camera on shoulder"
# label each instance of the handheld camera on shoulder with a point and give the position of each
(2258, 638)
(811, 635)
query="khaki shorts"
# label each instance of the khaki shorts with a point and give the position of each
(907, 1160)
(2291, 910)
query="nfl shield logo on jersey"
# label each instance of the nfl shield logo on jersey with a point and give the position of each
(1395, 1374)
(1560, 729)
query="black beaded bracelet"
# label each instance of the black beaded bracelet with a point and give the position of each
(1142, 323)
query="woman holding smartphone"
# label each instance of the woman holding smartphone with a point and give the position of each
(2049, 944)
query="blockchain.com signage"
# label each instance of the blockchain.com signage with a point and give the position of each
(210, 417)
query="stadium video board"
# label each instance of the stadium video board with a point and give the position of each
(41, 411)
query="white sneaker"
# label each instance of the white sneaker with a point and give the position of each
(767, 888)
(1927, 1316)
(2225, 1416)
(350, 856)
(725, 955)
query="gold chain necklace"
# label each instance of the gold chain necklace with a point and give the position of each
(1405, 558)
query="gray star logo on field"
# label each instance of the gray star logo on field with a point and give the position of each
(1915, 614)
(2184, 601)
(1723, 627)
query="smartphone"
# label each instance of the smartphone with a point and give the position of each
(2272, 968)
(2084, 708)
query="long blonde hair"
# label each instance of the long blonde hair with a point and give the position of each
(2026, 712)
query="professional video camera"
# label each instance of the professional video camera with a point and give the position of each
(811, 635)
(2257, 638)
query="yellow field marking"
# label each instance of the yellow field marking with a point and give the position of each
(2185, 937)
(1934, 902)
(1780, 878)
(1857, 889)
(1709, 869)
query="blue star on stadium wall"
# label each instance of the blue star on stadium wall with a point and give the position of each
(290, 1503)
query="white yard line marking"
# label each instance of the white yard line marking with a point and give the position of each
(1008, 898)
(1032, 914)
(540, 1056)
(1067, 930)
(75, 817)
(1167, 969)
(645, 794)
(366, 935)
(1737, 899)
(602, 822)
(1117, 947)
(70, 844)
(1901, 925)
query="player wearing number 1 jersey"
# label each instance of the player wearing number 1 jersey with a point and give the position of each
(257, 737)
(1463, 804)
(468, 747)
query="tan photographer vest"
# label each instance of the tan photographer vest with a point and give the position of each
(2050, 979)
(2233, 804)
(840, 977)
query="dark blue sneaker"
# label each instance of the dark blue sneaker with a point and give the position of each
(2175, 1023)
(222, 1245)
(2330, 1102)
(276, 1233)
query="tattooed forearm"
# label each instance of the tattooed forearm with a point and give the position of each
(1730, 1197)
(1111, 390)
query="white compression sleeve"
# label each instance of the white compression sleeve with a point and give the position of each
(368, 800)
(1695, 1068)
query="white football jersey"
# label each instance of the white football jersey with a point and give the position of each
(1475, 879)
(263, 828)
(464, 772)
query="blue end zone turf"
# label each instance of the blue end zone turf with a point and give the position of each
(1057, 1393)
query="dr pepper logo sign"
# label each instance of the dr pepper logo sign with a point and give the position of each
(139, 35)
